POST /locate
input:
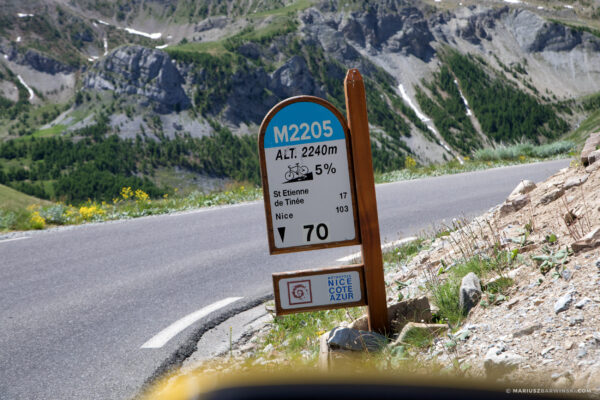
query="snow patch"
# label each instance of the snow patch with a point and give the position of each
(469, 113)
(31, 94)
(23, 15)
(6, 56)
(540, 8)
(513, 1)
(164, 46)
(18, 39)
(95, 24)
(148, 35)
(92, 58)
(105, 40)
(103, 22)
(568, 6)
(408, 101)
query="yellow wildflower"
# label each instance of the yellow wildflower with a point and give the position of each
(37, 221)
(89, 212)
(140, 195)
(126, 192)
(410, 162)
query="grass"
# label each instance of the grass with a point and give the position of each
(52, 131)
(454, 167)
(524, 151)
(131, 204)
(293, 8)
(297, 335)
(445, 292)
(214, 48)
(11, 199)
(235, 194)
(590, 125)
(403, 253)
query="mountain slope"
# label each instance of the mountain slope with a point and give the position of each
(442, 80)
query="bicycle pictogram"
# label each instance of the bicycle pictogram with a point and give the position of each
(296, 171)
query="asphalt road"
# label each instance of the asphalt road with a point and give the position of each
(77, 304)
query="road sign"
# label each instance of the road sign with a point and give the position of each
(319, 289)
(309, 178)
(308, 181)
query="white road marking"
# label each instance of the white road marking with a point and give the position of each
(172, 330)
(13, 239)
(383, 247)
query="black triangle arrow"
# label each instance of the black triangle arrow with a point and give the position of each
(281, 232)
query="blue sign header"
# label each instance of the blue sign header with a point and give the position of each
(303, 122)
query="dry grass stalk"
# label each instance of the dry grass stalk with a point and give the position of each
(577, 226)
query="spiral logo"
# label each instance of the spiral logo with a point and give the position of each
(299, 292)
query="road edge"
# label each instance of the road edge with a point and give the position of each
(184, 351)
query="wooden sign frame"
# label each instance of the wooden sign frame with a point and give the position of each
(321, 271)
(265, 183)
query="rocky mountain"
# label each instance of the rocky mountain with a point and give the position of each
(443, 80)
(138, 71)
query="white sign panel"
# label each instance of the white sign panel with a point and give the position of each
(308, 178)
(319, 290)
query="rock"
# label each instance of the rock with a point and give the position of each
(566, 274)
(552, 195)
(590, 146)
(593, 157)
(411, 310)
(596, 337)
(535, 34)
(294, 78)
(136, 70)
(522, 188)
(563, 303)
(527, 330)
(515, 204)
(589, 241)
(415, 331)
(250, 50)
(575, 181)
(582, 352)
(463, 334)
(351, 339)
(578, 319)
(546, 351)
(568, 345)
(591, 168)
(582, 303)
(360, 324)
(512, 303)
(498, 363)
(39, 62)
(470, 292)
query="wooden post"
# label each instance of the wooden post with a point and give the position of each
(356, 110)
